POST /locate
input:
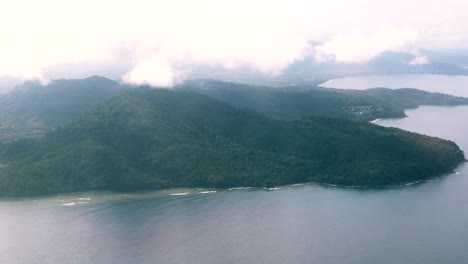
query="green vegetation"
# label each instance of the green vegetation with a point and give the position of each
(405, 98)
(32, 109)
(152, 138)
(296, 102)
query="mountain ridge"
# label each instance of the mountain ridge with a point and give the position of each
(33, 109)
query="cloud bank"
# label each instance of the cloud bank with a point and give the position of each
(156, 36)
(172, 57)
(420, 60)
(158, 42)
(356, 47)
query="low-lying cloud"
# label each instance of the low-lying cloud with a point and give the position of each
(357, 47)
(159, 42)
(420, 60)
(174, 56)
(158, 36)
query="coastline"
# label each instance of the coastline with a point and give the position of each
(191, 191)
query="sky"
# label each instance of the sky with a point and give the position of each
(147, 41)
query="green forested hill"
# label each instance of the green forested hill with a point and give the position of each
(31, 108)
(296, 102)
(411, 98)
(151, 138)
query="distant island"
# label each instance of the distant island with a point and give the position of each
(145, 139)
(295, 102)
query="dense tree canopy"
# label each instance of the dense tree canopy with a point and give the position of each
(153, 138)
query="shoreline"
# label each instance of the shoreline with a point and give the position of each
(191, 191)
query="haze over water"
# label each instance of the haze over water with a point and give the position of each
(420, 223)
(449, 84)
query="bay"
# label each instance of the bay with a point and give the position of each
(423, 222)
(448, 84)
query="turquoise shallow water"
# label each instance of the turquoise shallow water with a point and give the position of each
(419, 223)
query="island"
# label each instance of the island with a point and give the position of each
(148, 139)
(31, 109)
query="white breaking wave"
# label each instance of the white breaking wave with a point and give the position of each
(180, 194)
(239, 188)
(206, 192)
(297, 184)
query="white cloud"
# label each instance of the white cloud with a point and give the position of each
(154, 70)
(159, 36)
(167, 61)
(356, 47)
(420, 60)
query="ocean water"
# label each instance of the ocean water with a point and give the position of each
(423, 222)
(449, 84)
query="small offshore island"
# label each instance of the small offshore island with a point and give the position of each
(209, 134)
